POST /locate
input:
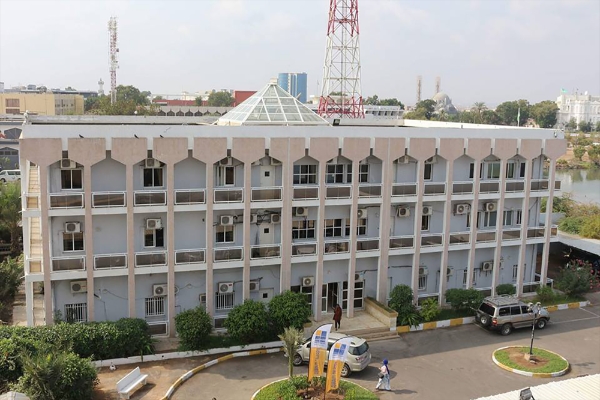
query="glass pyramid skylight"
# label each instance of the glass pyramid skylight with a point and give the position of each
(271, 106)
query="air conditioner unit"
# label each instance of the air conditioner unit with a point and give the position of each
(275, 161)
(487, 265)
(65, 163)
(362, 213)
(358, 277)
(226, 220)
(78, 286)
(151, 163)
(202, 298)
(461, 209)
(300, 212)
(153, 223)
(226, 161)
(275, 218)
(253, 218)
(402, 211)
(225, 287)
(423, 271)
(308, 281)
(159, 290)
(254, 286)
(449, 271)
(491, 206)
(427, 210)
(72, 227)
(431, 160)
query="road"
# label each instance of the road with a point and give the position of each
(451, 363)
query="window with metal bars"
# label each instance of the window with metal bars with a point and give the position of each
(76, 312)
(155, 306)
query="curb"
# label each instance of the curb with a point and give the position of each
(469, 320)
(194, 371)
(531, 374)
(279, 380)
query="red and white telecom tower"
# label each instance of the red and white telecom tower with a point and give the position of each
(341, 92)
(113, 61)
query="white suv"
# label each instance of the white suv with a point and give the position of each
(10, 175)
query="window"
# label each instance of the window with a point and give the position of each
(12, 103)
(515, 271)
(422, 282)
(465, 277)
(307, 291)
(510, 170)
(361, 227)
(155, 306)
(304, 229)
(474, 276)
(493, 170)
(508, 217)
(363, 173)
(428, 171)
(522, 170)
(489, 219)
(225, 233)
(425, 222)
(471, 170)
(73, 241)
(224, 301)
(154, 238)
(153, 177)
(515, 310)
(333, 227)
(519, 217)
(76, 312)
(335, 173)
(226, 175)
(71, 179)
(305, 174)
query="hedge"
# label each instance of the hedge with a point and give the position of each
(288, 309)
(193, 327)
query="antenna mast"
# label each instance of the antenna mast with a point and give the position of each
(438, 83)
(113, 61)
(341, 91)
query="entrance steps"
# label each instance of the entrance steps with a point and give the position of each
(365, 326)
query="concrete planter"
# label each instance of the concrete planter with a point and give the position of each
(388, 318)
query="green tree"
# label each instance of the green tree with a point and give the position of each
(401, 301)
(490, 117)
(248, 322)
(478, 108)
(392, 102)
(509, 110)
(70, 89)
(571, 125)
(91, 103)
(423, 110)
(193, 328)
(597, 127)
(544, 113)
(198, 101)
(585, 126)
(131, 93)
(159, 97)
(10, 213)
(574, 280)
(291, 338)
(591, 228)
(579, 152)
(594, 154)
(11, 275)
(288, 309)
(220, 99)
(372, 100)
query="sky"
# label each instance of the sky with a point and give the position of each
(486, 50)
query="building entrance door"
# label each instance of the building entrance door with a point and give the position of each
(330, 297)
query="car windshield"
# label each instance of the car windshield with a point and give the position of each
(486, 308)
(360, 350)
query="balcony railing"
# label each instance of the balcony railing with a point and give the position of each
(230, 195)
(306, 192)
(108, 199)
(266, 194)
(489, 187)
(189, 196)
(66, 200)
(404, 189)
(432, 239)
(535, 233)
(433, 188)
(460, 238)
(486, 236)
(515, 186)
(370, 244)
(511, 234)
(462, 187)
(304, 249)
(150, 198)
(191, 256)
(265, 251)
(151, 258)
(336, 246)
(557, 185)
(338, 191)
(110, 261)
(369, 190)
(228, 254)
(538, 185)
(402, 242)
(68, 263)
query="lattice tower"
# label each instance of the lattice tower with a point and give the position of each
(113, 59)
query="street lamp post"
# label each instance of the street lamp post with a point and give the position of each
(535, 308)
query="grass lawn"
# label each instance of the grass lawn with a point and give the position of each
(287, 389)
(559, 299)
(555, 363)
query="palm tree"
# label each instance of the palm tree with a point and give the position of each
(10, 213)
(291, 338)
(479, 107)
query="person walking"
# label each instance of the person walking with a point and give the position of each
(384, 377)
(337, 316)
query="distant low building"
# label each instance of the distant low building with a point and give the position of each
(41, 103)
(580, 107)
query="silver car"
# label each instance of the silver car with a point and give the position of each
(357, 359)
(505, 313)
(10, 175)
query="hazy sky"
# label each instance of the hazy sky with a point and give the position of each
(486, 50)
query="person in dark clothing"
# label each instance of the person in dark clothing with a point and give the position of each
(337, 316)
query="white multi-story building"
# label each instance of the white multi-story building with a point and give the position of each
(146, 217)
(580, 107)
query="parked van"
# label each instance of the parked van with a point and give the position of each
(10, 175)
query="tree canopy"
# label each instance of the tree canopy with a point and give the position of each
(220, 99)
(10, 213)
(544, 113)
(423, 110)
(376, 101)
(510, 110)
(130, 101)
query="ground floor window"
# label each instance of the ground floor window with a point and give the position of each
(515, 271)
(155, 306)
(422, 282)
(76, 312)
(224, 301)
(359, 287)
(465, 277)
(308, 293)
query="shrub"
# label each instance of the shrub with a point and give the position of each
(288, 309)
(575, 279)
(430, 309)
(591, 228)
(506, 289)
(571, 224)
(11, 272)
(248, 322)
(193, 327)
(401, 301)
(464, 299)
(10, 365)
(545, 293)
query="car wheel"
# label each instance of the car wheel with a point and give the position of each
(346, 371)
(484, 320)
(541, 324)
(298, 360)
(506, 329)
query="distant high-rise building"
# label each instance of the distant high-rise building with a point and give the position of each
(1, 87)
(295, 84)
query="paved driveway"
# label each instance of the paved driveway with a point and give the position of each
(452, 363)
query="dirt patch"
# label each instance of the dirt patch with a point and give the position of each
(317, 393)
(517, 356)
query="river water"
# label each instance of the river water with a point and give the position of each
(584, 185)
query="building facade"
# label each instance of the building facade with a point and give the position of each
(294, 83)
(147, 220)
(41, 103)
(580, 107)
